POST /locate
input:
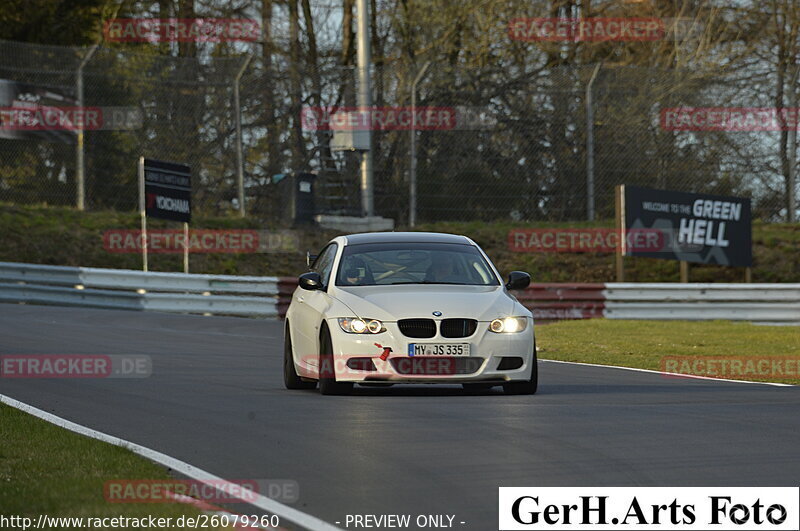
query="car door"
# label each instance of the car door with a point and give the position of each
(311, 307)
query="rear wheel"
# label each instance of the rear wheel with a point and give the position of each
(527, 387)
(290, 378)
(327, 373)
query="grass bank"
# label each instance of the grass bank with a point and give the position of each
(699, 348)
(47, 470)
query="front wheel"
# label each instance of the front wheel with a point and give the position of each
(327, 373)
(527, 387)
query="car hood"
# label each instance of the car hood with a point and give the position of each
(390, 303)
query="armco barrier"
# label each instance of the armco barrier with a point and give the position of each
(286, 286)
(137, 290)
(778, 303)
(555, 302)
(270, 296)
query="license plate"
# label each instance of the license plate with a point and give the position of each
(438, 349)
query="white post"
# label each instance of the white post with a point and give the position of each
(186, 248)
(80, 179)
(143, 213)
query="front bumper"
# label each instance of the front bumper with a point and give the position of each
(487, 351)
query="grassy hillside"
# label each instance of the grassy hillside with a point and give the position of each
(64, 236)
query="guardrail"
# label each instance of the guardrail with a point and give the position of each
(556, 302)
(270, 296)
(137, 290)
(778, 303)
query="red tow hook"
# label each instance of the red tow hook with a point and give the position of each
(386, 351)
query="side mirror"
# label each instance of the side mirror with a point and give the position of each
(310, 281)
(518, 280)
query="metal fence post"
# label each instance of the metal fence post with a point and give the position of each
(412, 173)
(239, 156)
(364, 101)
(791, 202)
(80, 180)
(590, 146)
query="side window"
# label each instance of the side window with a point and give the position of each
(324, 263)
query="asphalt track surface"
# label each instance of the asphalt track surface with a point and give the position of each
(216, 400)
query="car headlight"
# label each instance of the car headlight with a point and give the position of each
(356, 325)
(508, 325)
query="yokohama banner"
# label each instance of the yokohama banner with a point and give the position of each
(168, 190)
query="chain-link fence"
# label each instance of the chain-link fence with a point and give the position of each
(525, 144)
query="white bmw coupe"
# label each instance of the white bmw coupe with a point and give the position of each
(408, 307)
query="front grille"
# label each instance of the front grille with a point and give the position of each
(458, 327)
(435, 365)
(420, 328)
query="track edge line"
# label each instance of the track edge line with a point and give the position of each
(669, 374)
(266, 504)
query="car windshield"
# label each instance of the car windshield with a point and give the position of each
(382, 264)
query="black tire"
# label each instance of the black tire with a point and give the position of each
(527, 387)
(290, 378)
(327, 372)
